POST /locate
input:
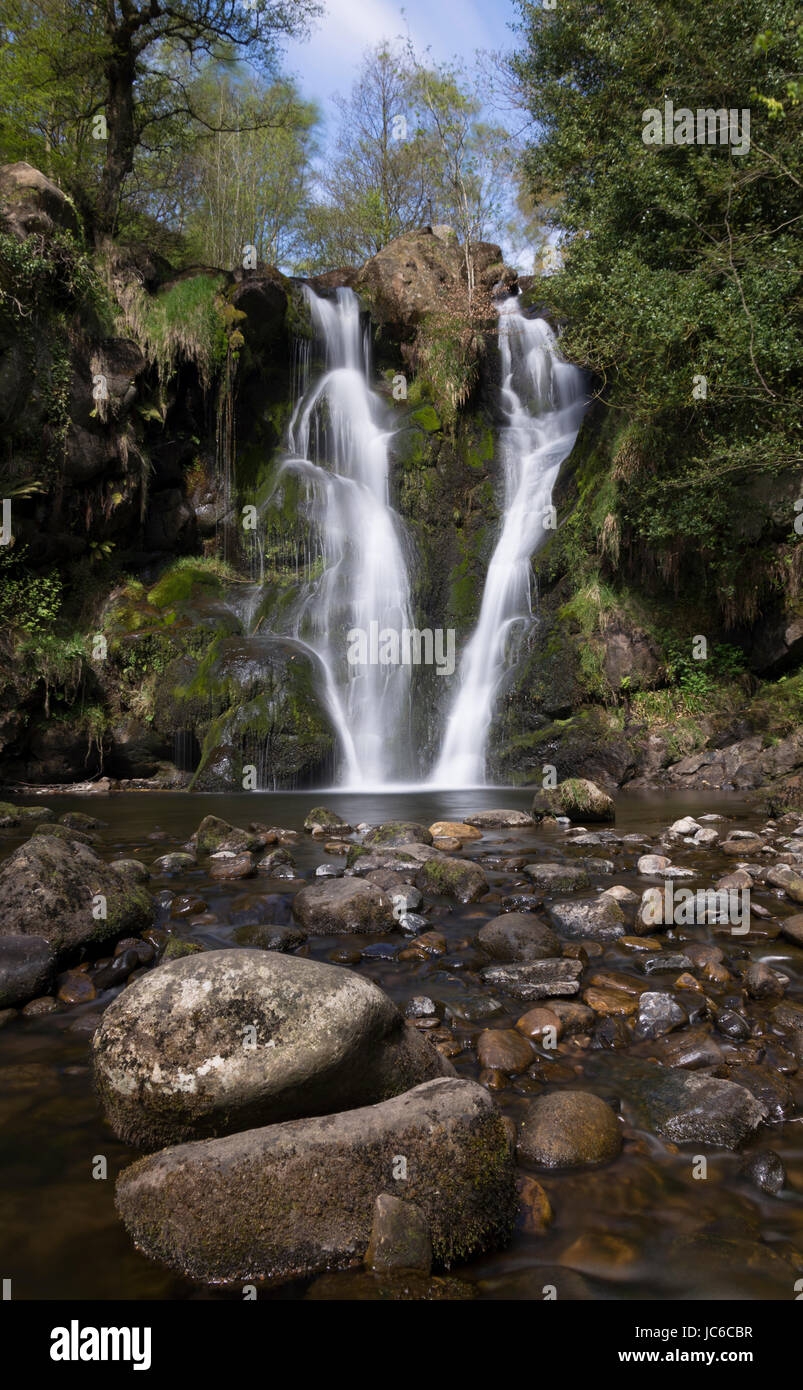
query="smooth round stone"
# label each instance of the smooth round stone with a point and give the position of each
(226, 865)
(569, 1129)
(176, 863)
(75, 988)
(536, 1023)
(449, 843)
(765, 1171)
(650, 864)
(762, 982)
(132, 868)
(421, 1006)
(454, 829)
(505, 1050)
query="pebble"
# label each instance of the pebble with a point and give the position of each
(765, 1171)
(504, 1049)
(569, 1129)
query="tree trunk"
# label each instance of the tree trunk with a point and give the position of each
(121, 139)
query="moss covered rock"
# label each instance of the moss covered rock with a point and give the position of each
(576, 798)
(293, 1199)
(60, 889)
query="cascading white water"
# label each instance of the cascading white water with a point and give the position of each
(544, 401)
(338, 446)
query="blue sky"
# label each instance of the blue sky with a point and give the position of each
(328, 62)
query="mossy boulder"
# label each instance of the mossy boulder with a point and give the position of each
(294, 1199)
(452, 878)
(576, 798)
(394, 833)
(60, 889)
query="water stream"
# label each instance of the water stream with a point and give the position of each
(338, 445)
(544, 400)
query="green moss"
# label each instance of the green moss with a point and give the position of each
(428, 419)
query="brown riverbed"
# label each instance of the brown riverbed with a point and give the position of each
(642, 1227)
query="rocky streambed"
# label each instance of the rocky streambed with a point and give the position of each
(414, 1046)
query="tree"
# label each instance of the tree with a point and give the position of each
(250, 176)
(468, 159)
(127, 76)
(379, 183)
(681, 275)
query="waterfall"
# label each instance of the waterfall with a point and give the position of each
(543, 400)
(338, 447)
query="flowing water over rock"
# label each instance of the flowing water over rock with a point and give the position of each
(339, 447)
(544, 401)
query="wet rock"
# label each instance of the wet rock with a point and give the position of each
(792, 928)
(411, 923)
(518, 936)
(177, 863)
(116, 972)
(732, 1024)
(576, 798)
(658, 1013)
(214, 834)
(395, 833)
(569, 1129)
(37, 1007)
(789, 1016)
(448, 843)
(452, 878)
(429, 943)
(665, 960)
(522, 902)
(558, 878)
(328, 871)
(187, 906)
(224, 865)
(74, 987)
(687, 826)
(610, 1031)
(505, 1050)
(652, 864)
(421, 1006)
(174, 1057)
(694, 1048)
(326, 820)
(399, 1236)
(62, 832)
(680, 1105)
(499, 819)
(610, 1002)
(706, 837)
(535, 1210)
(789, 880)
(27, 964)
(765, 1171)
(574, 1016)
(343, 905)
(741, 843)
(293, 1199)
(762, 982)
(177, 949)
(132, 869)
(600, 919)
(541, 1025)
(265, 936)
(271, 861)
(535, 979)
(459, 830)
(768, 1086)
(7, 1016)
(53, 889)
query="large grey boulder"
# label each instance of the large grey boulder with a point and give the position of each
(292, 1199)
(60, 889)
(213, 1043)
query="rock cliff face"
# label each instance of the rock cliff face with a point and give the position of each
(142, 409)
